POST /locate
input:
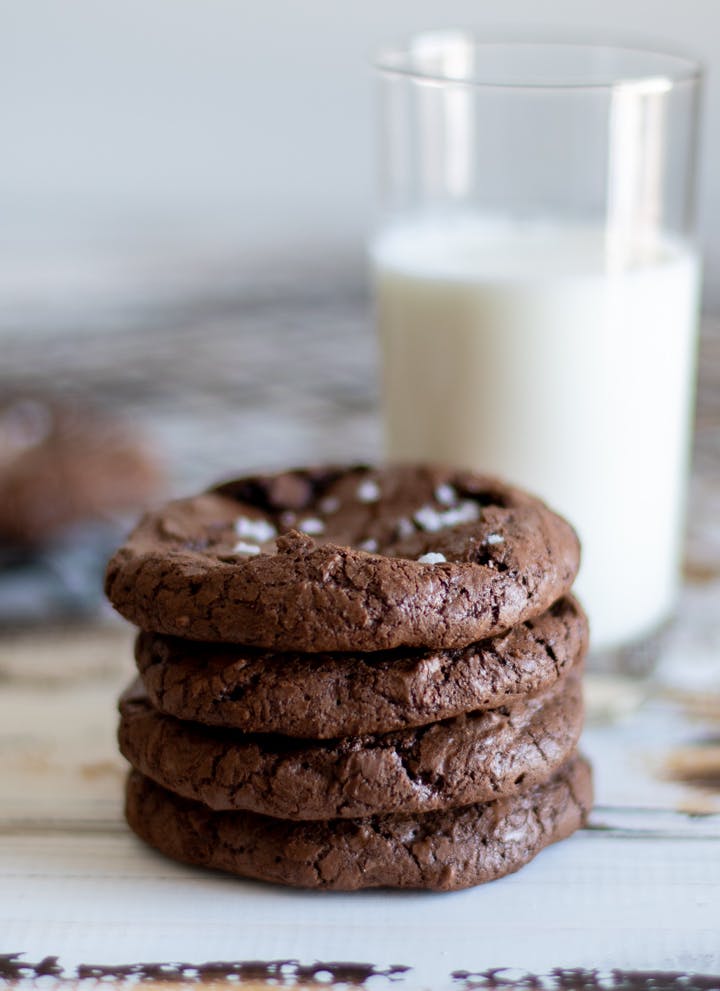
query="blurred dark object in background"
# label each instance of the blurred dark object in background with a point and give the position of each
(63, 463)
(61, 581)
(70, 477)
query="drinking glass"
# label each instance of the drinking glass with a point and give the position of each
(537, 283)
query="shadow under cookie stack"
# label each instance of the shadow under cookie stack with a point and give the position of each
(354, 678)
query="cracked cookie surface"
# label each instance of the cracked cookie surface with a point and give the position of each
(322, 696)
(345, 559)
(440, 851)
(475, 757)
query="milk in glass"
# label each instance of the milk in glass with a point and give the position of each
(563, 362)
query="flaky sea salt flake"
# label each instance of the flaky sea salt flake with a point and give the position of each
(404, 527)
(446, 494)
(432, 558)
(242, 548)
(257, 530)
(312, 526)
(466, 512)
(431, 520)
(368, 491)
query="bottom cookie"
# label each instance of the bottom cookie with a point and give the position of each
(440, 851)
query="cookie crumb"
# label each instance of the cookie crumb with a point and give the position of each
(432, 558)
(257, 530)
(368, 491)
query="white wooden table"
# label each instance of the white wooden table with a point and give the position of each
(636, 892)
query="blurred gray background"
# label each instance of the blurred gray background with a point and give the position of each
(147, 145)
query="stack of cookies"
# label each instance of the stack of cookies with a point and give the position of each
(354, 678)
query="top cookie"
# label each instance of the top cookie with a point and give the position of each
(339, 559)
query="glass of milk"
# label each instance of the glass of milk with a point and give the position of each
(537, 287)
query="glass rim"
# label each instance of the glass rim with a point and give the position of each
(400, 60)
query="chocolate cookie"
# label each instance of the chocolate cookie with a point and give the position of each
(61, 464)
(349, 559)
(475, 757)
(321, 696)
(440, 851)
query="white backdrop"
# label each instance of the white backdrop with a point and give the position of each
(156, 134)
